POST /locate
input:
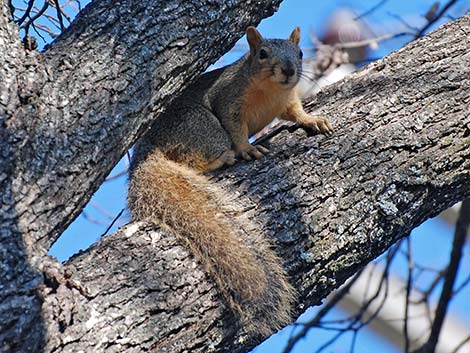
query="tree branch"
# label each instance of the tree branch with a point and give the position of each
(69, 114)
(89, 95)
(460, 234)
(331, 204)
(433, 18)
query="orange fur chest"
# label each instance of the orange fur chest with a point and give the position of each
(263, 101)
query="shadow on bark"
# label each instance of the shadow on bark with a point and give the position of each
(21, 325)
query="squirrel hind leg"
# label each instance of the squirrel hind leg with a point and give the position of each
(226, 158)
(197, 161)
(194, 136)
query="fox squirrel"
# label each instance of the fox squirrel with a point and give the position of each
(208, 127)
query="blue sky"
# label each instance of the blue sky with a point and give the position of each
(431, 241)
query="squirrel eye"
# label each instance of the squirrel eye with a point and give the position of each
(263, 54)
(301, 54)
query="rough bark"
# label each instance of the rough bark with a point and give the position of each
(67, 115)
(81, 103)
(400, 154)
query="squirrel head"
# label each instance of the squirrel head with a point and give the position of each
(279, 60)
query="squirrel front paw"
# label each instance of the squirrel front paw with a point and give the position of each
(247, 151)
(317, 123)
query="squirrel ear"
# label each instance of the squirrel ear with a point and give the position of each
(295, 36)
(254, 39)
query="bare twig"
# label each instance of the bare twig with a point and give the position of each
(409, 283)
(45, 29)
(27, 12)
(372, 9)
(461, 286)
(64, 14)
(426, 294)
(101, 209)
(59, 14)
(431, 13)
(35, 29)
(12, 8)
(460, 234)
(117, 175)
(369, 41)
(323, 311)
(436, 17)
(356, 43)
(461, 229)
(91, 219)
(353, 341)
(32, 16)
(403, 22)
(383, 281)
(35, 17)
(112, 223)
(354, 322)
(461, 344)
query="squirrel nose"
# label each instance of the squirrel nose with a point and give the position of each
(288, 70)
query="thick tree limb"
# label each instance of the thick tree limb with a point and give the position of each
(400, 154)
(69, 114)
(84, 101)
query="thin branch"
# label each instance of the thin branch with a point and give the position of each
(353, 341)
(67, 17)
(431, 21)
(403, 22)
(117, 175)
(461, 344)
(27, 11)
(461, 286)
(427, 293)
(12, 8)
(35, 28)
(91, 219)
(101, 209)
(461, 229)
(431, 13)
(59, 14)
(369, 41)
(45, 29)
(334, 338)
(112, 223)
(356, 43)
(323, 311)
(35, 17)
(383, 281)
(372, 9)
(355, 321)
(409, 283)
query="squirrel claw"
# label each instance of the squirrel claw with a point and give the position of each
(262, 149)
(318, 124)
(247, 151)
(246, 156)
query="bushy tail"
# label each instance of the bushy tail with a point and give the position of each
(246, 271)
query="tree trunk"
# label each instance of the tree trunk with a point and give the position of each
(400, 154)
